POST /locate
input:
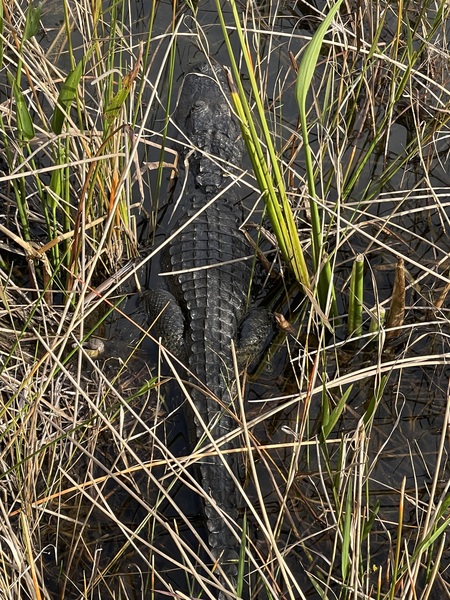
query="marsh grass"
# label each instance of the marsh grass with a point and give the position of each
(347, 491)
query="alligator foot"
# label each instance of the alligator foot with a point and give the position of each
(167, 320)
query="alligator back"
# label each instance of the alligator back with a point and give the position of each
(212, 292)
(209, 287)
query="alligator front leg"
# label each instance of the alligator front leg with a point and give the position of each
(254, 330)
(167, 320)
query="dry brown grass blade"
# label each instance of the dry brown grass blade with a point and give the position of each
(30, 554)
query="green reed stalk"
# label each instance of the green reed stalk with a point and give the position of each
(267, 171)
(354, 323)
(305, 74)
(24, 122)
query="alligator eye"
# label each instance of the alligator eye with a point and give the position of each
(198, 105)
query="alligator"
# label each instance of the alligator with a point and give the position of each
(208, 276)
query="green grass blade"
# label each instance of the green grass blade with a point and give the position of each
(66, 97)
(368, 526)
(305, 74)
(241, 562)
(32, 21)
(354, 324)
(332, 418)
(375, 401)
(346, 533)
(267, 172)
(25, 127)
(1, 34)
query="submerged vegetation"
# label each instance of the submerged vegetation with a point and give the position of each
(345, 435)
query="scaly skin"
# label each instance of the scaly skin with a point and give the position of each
(214, 302)
(211, 301)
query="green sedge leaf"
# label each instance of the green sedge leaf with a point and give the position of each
(113, 108)
(66, 97)
(25, 127)
(346, 533)
(308, 64)
(32, 21)
(333, 417)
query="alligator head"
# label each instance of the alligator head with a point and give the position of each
(208, 127)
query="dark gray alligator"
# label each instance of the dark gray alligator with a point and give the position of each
(208, 293)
